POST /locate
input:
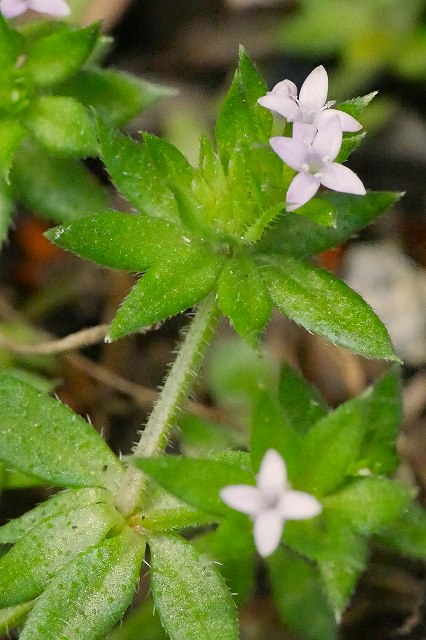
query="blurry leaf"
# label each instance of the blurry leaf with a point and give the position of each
(271, 430)
(297, 592)
(134, 173)
(61, 189)
(321, 303)
(232, 548)
(301, 237)
(11, 134)
(201, 437)
(194, 480)
(371, 503)
(91, 594)
(6, 209)
(180, 575)
(167, 289)
(330, 446)
(48, 547)
(123, 240)
(301, 403)
(17, 480)
(241, 119)
(44, 438)
(9, 44)
(410, 62)
(407, 534)
(13, 616)
(59, 504)
(116, 96)
(244, 298)
(144, 622)
(164, 511)
(62, 125)
(58, 55)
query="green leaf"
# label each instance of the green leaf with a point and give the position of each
(383, 408)
(244, 298)
(48, 547)
(13, 616)
(330, 446)
(44, 438)
(194, 480)
(370, 504)
(356, 105)
(241, 119)
(9, 44)
(201, 437)
(62, 125)
(144, 622)
(321, 303)
(134, 173)
(90, 594)
(167, 289)
(17, 480)
(301, 403)
(123, 240)
(61, 189)
(407, 534)
(164, 511)
(271, 430)
(180, 575)
(301, 237)
(298, 594)
(11, 134)
(6, 209)
(59, 504)
(55, 57)
(117, 97)
(319, 210)
(349, 144)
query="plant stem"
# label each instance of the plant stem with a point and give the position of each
(175, 390)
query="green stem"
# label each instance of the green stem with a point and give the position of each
(175, 390)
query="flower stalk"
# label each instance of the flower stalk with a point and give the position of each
(175, 390)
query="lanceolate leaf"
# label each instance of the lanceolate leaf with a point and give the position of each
(325, 305)
(11, 134)
(123, 240)
(55, 57)
(13, 616)
(44, 438)
(49, 546)
(243, 297)
(194, 480)
(62, 189)
(191, 597)
(90, 594)
(301, 237)
(407, 534)
(166, 290)
(61, 503)
(301, 403)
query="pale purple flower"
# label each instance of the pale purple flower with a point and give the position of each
(13, 8)
(311, 154)
(270, 503)
(311, 106)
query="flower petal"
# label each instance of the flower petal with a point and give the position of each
(286, 107)
(347, 122)
(243, 498)
(297, 505)
(302, 188)
(51, 7)
(267, 531)
(313, 92)
(285, 88)
(304, 132)
(272, 476)
(328, 140)
(12, 8)
(340, 178)
(292, 152)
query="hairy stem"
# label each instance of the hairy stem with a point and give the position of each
(175, 390)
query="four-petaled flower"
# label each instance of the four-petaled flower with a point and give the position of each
(312, 153)
(13, 8)
(311, 106)
(271, 502)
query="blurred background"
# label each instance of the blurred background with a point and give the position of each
(192, 45)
